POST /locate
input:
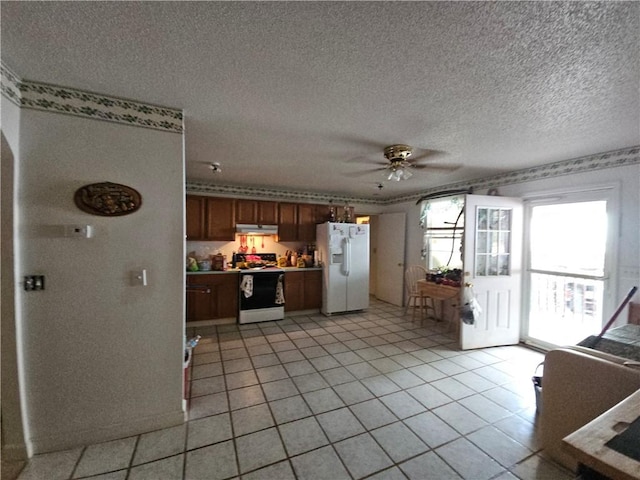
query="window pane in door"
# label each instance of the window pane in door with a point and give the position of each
(567, 262)
(569, 238)
(493, 246)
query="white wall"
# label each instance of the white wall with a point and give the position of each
(13, 444)
(100, 358)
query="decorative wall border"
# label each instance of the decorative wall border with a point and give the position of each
(599, 161)
(9, 82)
(70, 101)
(612, 159)
(273, 193)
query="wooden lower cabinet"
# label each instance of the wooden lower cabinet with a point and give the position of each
(313, 289)
(212, 296)
(303, 290)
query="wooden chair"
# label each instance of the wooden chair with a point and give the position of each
(412, 274)
(634, 313)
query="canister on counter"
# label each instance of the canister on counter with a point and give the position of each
(217, 262)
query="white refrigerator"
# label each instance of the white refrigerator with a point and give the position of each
(343, 248)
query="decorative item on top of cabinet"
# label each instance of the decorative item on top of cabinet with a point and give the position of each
(256, 212)
(210, 218)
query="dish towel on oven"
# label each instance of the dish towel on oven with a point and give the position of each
(280, 291)
(246, 286)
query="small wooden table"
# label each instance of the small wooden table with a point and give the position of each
(438, 292)
(587, 444)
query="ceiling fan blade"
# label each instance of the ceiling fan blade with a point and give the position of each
(362, 173)
(436, 166)
(422, 153)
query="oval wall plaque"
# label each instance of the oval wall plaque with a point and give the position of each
(107, 199)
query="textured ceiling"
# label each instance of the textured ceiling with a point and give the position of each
(305, 95)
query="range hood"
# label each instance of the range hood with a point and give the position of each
(248, 229)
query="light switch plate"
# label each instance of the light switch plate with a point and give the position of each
(139, 277)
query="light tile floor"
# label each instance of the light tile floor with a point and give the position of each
(362, 395)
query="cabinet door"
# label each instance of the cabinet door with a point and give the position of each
(287, 222)
(322, 213)
(293, 291)
(247, 211)
(195, 212)
(215, 297)
(306, 222)
(199, 298)
(267, 213)
(220, 222)
(312, 289)
(227, 295)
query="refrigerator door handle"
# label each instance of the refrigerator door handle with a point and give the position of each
(347, 256)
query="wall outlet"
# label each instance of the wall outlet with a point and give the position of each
(33, 282)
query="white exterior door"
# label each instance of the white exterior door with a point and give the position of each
(493, 266)
(390, 271)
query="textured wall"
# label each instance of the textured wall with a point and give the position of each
(101, 358)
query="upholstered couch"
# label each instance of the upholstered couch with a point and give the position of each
(578, 385)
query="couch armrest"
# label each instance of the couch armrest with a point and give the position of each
(578, 386)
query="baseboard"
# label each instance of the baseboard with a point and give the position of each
(208, 323)
(65, 440)
(14, 453)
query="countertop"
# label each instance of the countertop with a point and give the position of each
(589, 444)
(238, 270)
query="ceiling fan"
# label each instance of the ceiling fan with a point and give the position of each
(399, 167)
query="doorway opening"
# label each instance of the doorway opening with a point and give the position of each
(567, 261)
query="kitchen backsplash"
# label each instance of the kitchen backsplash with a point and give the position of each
(264, 244)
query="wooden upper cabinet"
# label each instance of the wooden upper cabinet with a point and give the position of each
(213, 218)
(309, 216)
(195, 212)
(288, 222)
(267, 213)
(246, 211)
(297, 221)
(221, 223)
(307, 222)
(256, 212)
(210, 218)
(322, 213)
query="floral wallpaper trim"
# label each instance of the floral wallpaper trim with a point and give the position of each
(53, 98)
(616, 158)
(9, 84)
(599, 161)
(272, 193)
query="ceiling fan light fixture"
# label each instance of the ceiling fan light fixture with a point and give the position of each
(215, 167)
(399, 173)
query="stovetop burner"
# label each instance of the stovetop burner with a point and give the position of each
(255, 261)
